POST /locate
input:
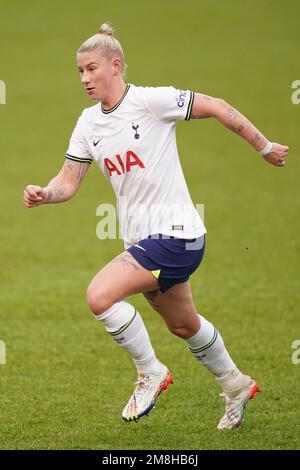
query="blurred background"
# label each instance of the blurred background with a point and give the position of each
(65, 383)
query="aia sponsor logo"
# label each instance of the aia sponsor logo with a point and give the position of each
(181, 99)
(120, 166)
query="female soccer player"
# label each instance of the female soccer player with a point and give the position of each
(130, 133)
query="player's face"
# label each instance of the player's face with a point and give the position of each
(96, 72)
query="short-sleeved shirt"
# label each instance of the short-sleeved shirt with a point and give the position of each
(134, 145)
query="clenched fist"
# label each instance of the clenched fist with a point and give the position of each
(34, 196)
(277, 155)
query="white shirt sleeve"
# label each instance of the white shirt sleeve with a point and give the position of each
(168, 103)
(78, 150)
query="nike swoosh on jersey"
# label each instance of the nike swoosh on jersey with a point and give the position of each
(96, 143)
(140, 247)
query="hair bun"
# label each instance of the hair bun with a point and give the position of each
(106, 29)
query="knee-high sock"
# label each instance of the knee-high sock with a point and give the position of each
(207, 347)
(125, 325)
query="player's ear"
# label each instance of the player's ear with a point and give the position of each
(116, 63)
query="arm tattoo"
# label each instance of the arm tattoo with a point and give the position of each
(59, 189)
(80, 173)
(50, 196)
(68, 167)
(199, 115)
(56, 191)
(79, 168)
(256, 141)
(231, 114)
(234, 117)
(235, 121)
(238, 130)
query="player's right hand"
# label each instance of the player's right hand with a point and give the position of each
(34, 196)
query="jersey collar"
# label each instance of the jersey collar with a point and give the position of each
(107, 111)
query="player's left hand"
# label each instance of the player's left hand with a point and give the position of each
(278, 155)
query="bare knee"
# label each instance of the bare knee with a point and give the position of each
(185, 329)
(98, 300)
(183, 332)
(184, 326)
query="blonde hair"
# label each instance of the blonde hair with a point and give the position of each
(105, 41)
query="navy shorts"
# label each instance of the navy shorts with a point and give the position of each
(171, 260)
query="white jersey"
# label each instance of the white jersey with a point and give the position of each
(134, 144)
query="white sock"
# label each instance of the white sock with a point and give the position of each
(207, 347)
(124, 323)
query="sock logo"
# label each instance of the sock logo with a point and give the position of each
(201, 357)
(119, 340)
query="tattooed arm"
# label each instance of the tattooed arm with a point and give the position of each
(207, 106)
(59, 189)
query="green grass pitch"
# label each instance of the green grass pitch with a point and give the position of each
(65, 383)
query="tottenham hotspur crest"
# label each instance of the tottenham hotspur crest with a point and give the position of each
(135, 128)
